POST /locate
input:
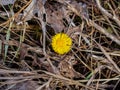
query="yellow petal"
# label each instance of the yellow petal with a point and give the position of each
(61, 43)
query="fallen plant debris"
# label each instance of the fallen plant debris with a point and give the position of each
(30, 61)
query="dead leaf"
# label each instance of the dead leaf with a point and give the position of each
(66, 68)
(27, 85)
(6, 2)
(29, 11)
(55, 17)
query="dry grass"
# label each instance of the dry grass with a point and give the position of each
(28, 62)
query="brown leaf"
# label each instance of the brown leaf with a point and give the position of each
(55, 17)
(66, 68)
(27, 85)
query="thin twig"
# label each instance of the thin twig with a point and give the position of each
(115, 39)
(16, 14)
(3, 71)
(46, 84)
(105, 12)
(109, 58)
(41, 14)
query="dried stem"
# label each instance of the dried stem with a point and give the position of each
(112, 37)
(108, 57)
(106, 13)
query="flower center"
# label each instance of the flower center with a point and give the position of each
(60, 43)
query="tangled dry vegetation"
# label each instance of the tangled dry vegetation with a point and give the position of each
(27, 60)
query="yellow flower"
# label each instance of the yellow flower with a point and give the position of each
(61, 43)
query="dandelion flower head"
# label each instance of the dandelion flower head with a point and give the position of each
(61, 43)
